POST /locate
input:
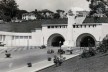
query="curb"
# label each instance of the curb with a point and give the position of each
(54, 64)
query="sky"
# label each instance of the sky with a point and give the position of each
(53, 5)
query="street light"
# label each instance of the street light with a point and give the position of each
(88, 42)
(27, 43)
(28, 63)
(80, 44)
(60, 48)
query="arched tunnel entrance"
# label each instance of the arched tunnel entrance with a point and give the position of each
(85, 40)
(55, 39)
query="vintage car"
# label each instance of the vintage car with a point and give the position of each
(2, 44)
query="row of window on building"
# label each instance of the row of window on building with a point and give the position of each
(74, 26)
(83, 26)
(3, 37)
(61, 26)
(21, 37)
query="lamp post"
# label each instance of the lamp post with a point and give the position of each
(60, 48)
(80, 45)
(43, 40)
(88, 43)
(29, 63)
(27, 43)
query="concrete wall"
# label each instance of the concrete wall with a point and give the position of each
(95, 31)
(14, 39)
(104, 29)
(37, 38)
(48, 32)
(41, 36)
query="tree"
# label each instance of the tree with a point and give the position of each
(103, 46)
(97, 6)
(8, 8)
(19, 13)
(56, 16)
(59, 11)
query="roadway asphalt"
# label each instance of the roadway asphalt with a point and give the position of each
(20, 57)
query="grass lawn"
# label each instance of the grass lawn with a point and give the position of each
(98, 63)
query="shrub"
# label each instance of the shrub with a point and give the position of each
(88, 53)
(49, 58)
(103, 47)
(29, 64)
(8, 55)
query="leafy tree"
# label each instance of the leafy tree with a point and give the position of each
(97, 6)
(59, 11)
(42, 14)
(56, 16)
(19, 13)
(8, 8)
(103, 47)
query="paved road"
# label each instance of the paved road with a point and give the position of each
(21, 56)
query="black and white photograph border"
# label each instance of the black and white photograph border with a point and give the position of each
(53, 35)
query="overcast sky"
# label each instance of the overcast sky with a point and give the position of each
(53, 5)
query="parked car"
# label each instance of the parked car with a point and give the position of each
(50, 51)
(2, 44)
(42, 47)
(61, 51)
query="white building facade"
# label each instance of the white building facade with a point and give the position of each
(70, 34)
(28, 16)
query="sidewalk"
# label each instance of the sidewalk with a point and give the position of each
(41, 65)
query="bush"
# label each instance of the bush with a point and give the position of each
(29, 64)
(101, 49)
(49, 58)
(88, 53)
(8, 55)
(103, 46)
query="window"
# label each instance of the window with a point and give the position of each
(0, 37)
(21, 37)
(30, 37)
(48, 27)
(16, 37)
(77, 26)
(12, 37)
(25, 37)
(60, 26)
(4, 37)
(56, 26)
(93, 25)
(73, 26)
(52, 26)
(85, 26)
(89, 25)
(81, 26)
(63, 26)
